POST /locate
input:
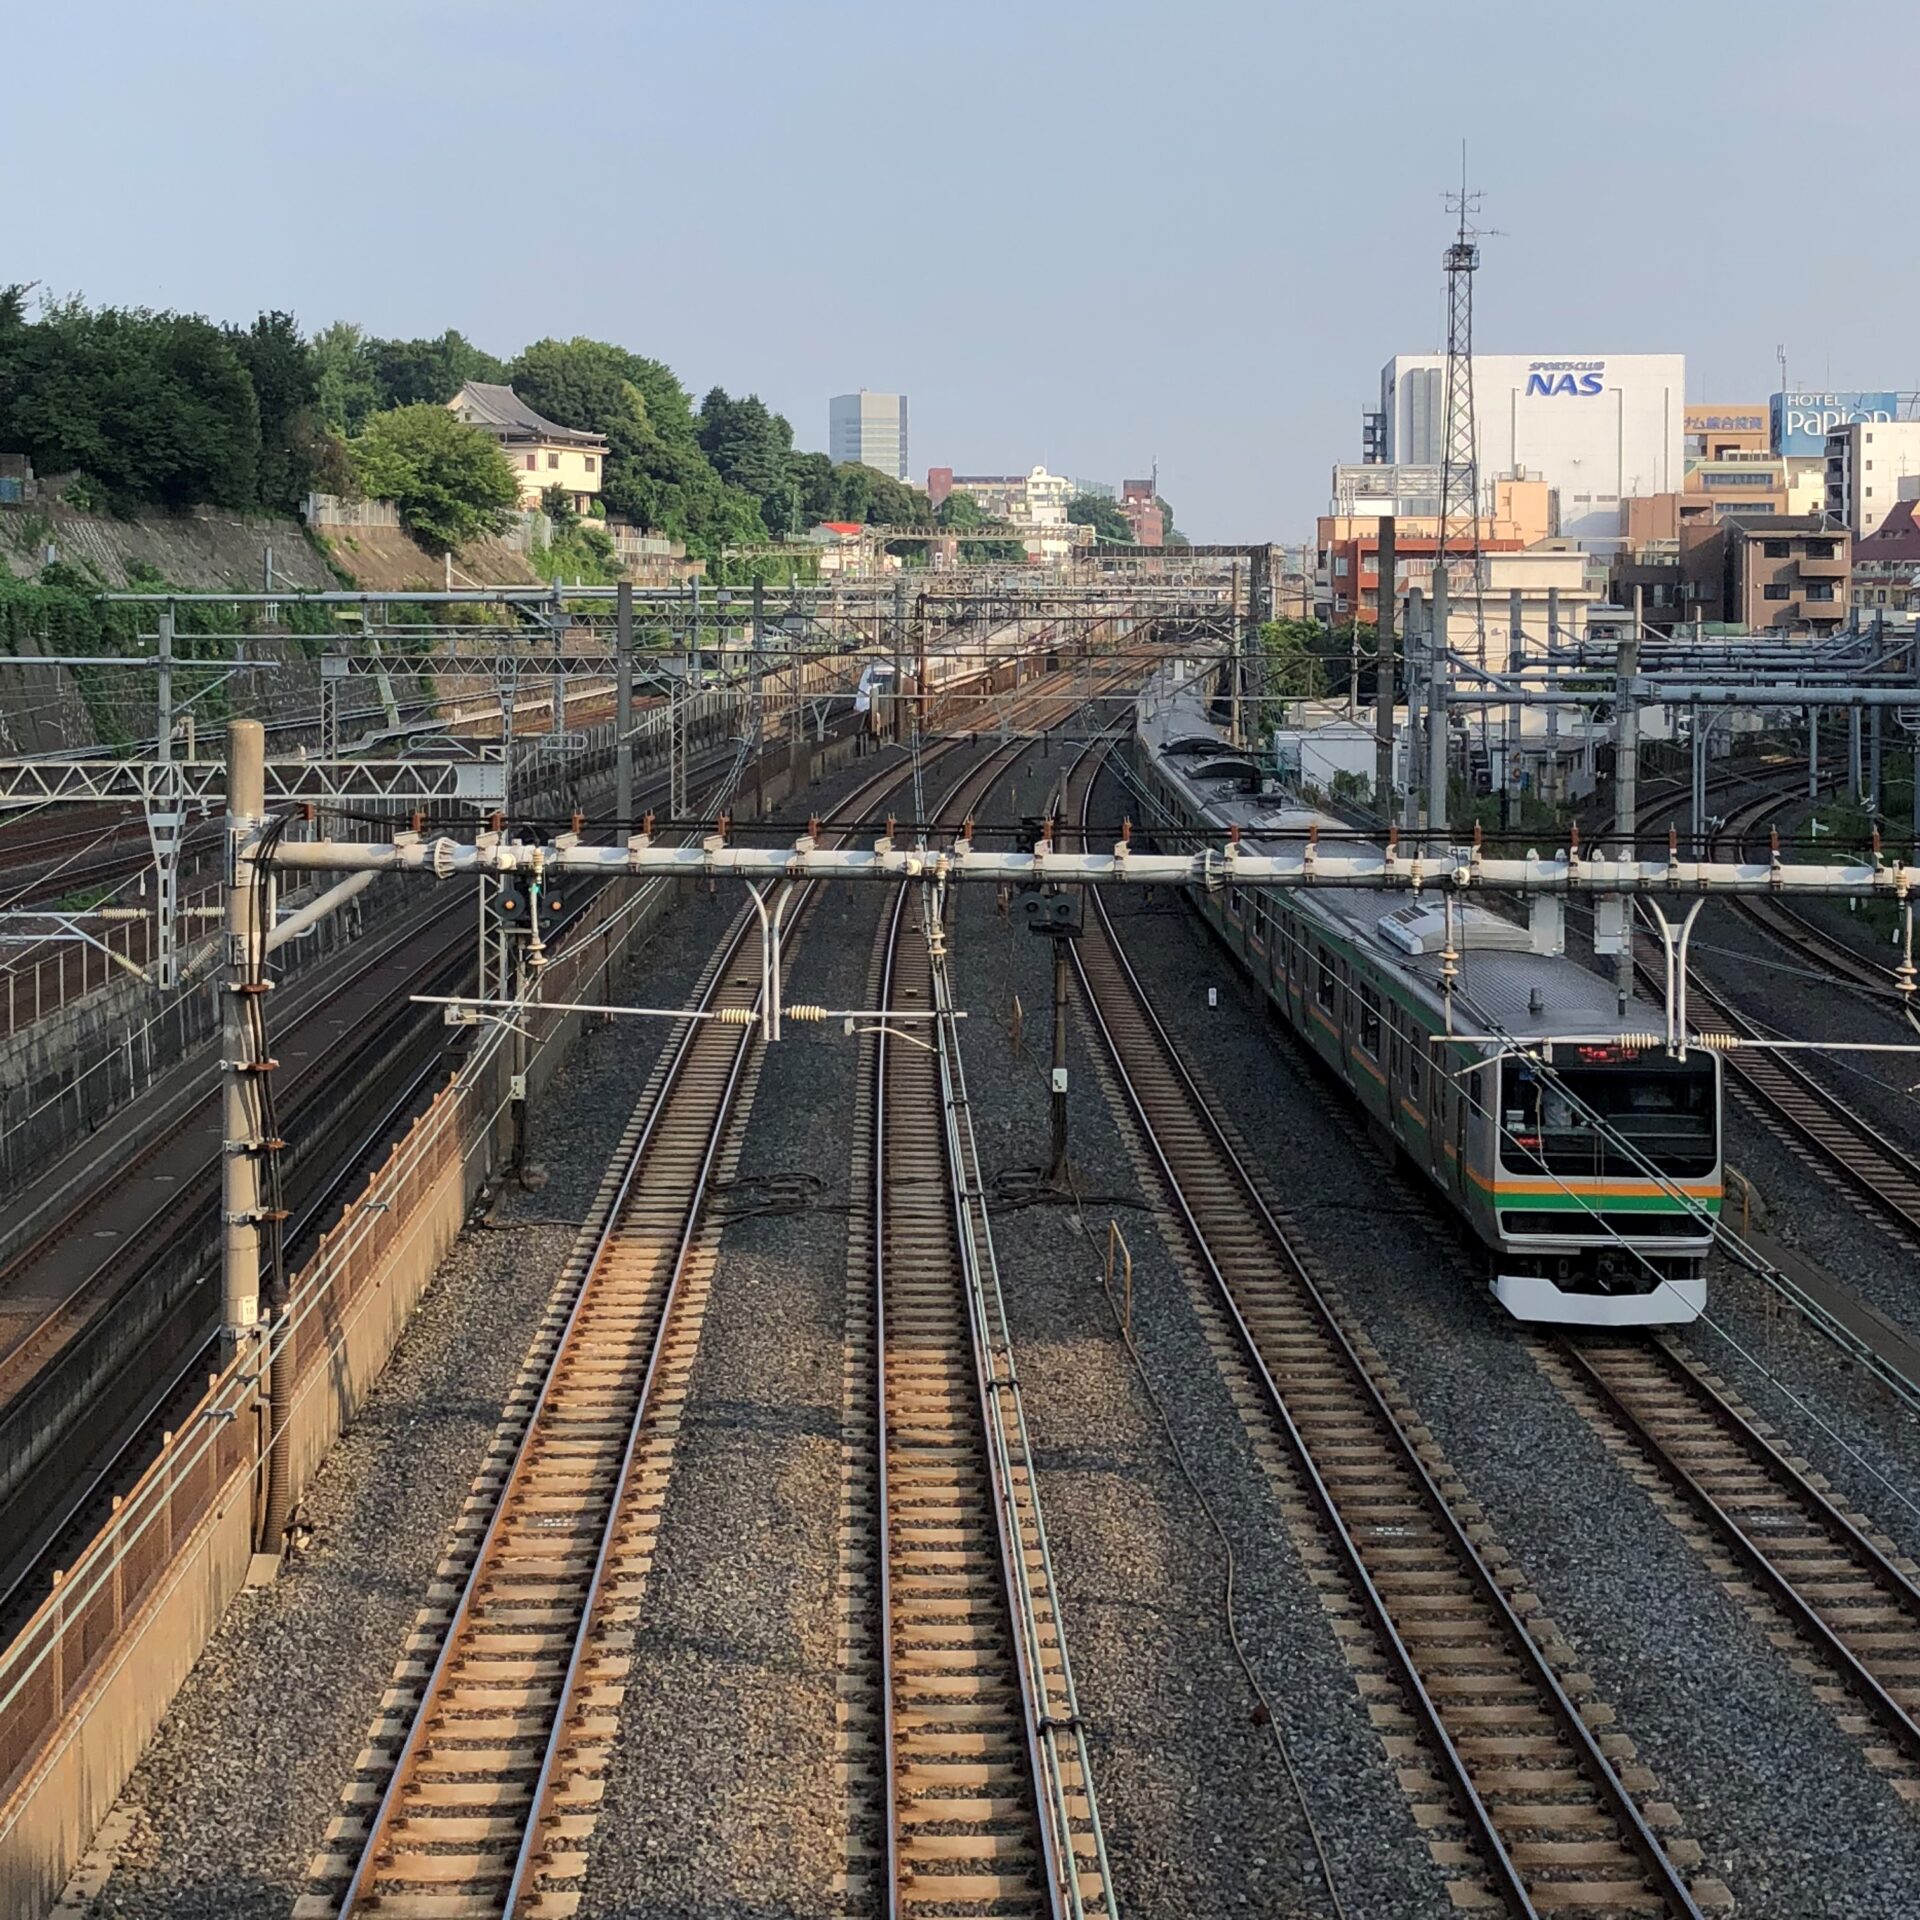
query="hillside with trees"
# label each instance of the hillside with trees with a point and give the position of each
(138, 409)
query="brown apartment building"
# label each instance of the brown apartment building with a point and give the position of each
(1787, 572)
(1792, 572)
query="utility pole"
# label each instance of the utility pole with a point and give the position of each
(899, 661)
(623, 704)
(1510, 749)
(1553, 686)
(1236, 660)
(1626, 785)
(166, 815)
(241, 1062)
(1417, 638)
(1389, 611)
(1437, 706)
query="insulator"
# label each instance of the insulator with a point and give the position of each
(803, 1010)
(735, 1016)
(1717, 1042)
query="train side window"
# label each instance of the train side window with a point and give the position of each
(1370, 1021)
(1414, 1074)
(1324, 985)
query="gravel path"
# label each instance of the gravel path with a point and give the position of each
(1696, 1684)
(234, 1795)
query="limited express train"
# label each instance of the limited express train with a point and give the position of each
(1585, 1159)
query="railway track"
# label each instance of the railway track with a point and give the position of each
(1880, 1176)
(1791, 928)
(989, 1799)
(1847, 1595)
(1523, 1791)
(478, 1784)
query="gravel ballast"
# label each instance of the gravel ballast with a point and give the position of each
(230, 1803)
(723, 1797)
(1199, 1813)
(1733, 1736)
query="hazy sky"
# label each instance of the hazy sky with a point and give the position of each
(1084, 234)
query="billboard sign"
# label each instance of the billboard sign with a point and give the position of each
(1580, 378)
(1802, 421)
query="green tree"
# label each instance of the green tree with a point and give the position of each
(746, 443)
(450, 481)
(154, 408)
(346, 383)
(1102, 515)
(1295, 653)
(429, 372)
(960, 510)
(657, 475)
(1170, 535)
(285, 388)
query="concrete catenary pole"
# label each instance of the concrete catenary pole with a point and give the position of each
(1437, 704)
(1510, 746)
(1626, 785)
(899, 701)
(1389, 609)
(623, 703)
(1416, 728)
(242, 1139)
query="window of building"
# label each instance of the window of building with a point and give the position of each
(1820, 549)
(1340, 565)
(591, 463)
(532, 462)
(1772, 592)
(1776, 549)
(553, 460)
(1819, 590)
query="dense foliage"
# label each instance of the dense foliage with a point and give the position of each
(450, 481)
(1103, 516)
(151, 409)
(959, 511)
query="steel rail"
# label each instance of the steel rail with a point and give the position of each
(531, 1838)
(691, 1033)
(1848, 1538)
(1001, 1400)
(1510, 1884)
(997, 1400)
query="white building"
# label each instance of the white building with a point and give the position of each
(870, 429)
(1595, 427)
(1866, 463)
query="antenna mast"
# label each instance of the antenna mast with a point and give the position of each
(1460, 461)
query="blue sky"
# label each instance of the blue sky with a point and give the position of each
(1089, 235)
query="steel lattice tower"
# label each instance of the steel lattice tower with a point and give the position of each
(1460, 443)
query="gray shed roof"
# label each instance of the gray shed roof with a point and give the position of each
(501, 411)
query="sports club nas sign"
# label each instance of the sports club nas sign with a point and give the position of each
(1548, 378)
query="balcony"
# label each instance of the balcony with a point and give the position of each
(1834, 567)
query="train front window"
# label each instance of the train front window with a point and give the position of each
(1617, 1118)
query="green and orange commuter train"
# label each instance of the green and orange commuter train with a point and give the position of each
(1581, 1152)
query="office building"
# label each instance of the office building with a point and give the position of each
(1866, 462)
(1596, 428)
(870, 430)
